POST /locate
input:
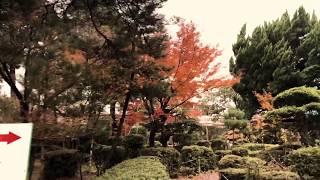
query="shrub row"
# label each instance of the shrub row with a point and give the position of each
(170, 157)
(143, 167)
(198, 156)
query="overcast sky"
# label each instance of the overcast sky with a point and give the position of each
(219, 21)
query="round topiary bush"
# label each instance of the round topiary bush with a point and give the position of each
(60, 163)
(139, 130)
(170, 157)
(133, 144)
(231, 161)
(193, 156)
(143, 167)
(306, 161)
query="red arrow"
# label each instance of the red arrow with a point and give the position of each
(9, 138)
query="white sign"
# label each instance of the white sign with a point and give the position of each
(15, 142)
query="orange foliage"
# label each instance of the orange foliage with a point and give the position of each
(264, 100)
(75, 56)
(194, 113)
(193, 66)
(134, 114)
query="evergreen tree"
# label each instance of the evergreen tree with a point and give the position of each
(277, 56)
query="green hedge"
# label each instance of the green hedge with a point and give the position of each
(277, 153)
(278, 175)
(234, 161)
(234, 173)
(143, 167)
(244, 174)
(60, 163)
(168, 156)
(192, 155)
(104, 157)
(306, 161)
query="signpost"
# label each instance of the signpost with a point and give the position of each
(15, 142)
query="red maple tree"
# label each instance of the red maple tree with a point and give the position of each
(193, 67)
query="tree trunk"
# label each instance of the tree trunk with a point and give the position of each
(13, 77)
(152, 135)
(24, 112)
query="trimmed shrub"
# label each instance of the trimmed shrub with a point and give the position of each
(306, 161)
(191, 156)
(240, 151)
(204, 143)
(170, 157)
(157, 144)
(139, 130)
(278, 175)
(182, 139)
(104, 157)
(234, 161)
(133, 144)
(277, 153)
(218, 144)
(252, 162)
(297, 96)
(143, 167)
(231, 161)
(234, 173)
(60, 163)
(257, 147)
(221, 153)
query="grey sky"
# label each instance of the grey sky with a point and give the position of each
(219, 21)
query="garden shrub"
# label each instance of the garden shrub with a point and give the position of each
(306, 161)
(297, 96)
(204, 143)
(240, 151)
(191, 155)
(278, 175)
(104, 157)
(143, 167)
(257, 147)
(218, 144)
(60, 163)
(186, 171)
(139, 130)
(234, 161)
(231, 161)
(182, 139)
(157, 144)
(234, 173)
(133, 144)
(278, 152)
(253, 162)
(221, 153)
(170, 157)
